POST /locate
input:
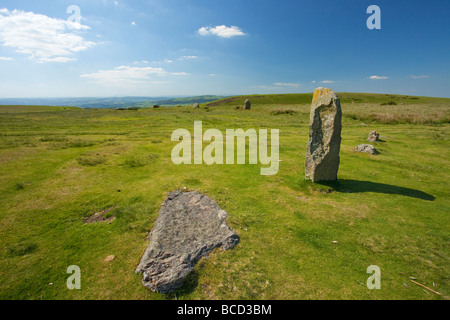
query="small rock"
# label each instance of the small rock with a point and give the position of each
(247, 104)
(373, 136)
(109, 258)
(335, 242)
(366, 148)
(195, 106)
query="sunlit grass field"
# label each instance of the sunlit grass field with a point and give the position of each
(60, 165)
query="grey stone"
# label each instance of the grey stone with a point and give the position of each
(247, 104)
(373, 136)
(195, 106)
(189, 226)
(325, 126)
(366, 148)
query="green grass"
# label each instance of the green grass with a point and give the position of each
(60, 165)
(345, 97)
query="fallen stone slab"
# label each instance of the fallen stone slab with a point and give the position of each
(190, 225)
(366, 148)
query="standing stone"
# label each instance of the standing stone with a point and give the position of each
(195, 106)
(190, 225)
(373, 136)
(247, 104)
(325, 125)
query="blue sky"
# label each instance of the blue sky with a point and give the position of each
(195, 47)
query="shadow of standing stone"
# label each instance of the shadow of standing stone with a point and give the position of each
(325, 126)
(189, 226)
(356, 186)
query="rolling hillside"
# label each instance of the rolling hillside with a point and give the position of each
(62, 165)
(345, 97)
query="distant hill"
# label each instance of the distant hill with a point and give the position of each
(306, 98)
(112, 102)
(189, 100)
(212, 100)
(10, 109)
(99, 103)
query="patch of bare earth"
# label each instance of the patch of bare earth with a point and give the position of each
(100, 216)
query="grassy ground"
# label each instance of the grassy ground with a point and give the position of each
(60, 165)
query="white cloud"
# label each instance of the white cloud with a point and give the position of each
(185, 58)
(212, 74)
(142, 61)
(378, 77)
(327, 81)
(419, 77)
(133, 23)
(179, 74)
(221, 31)
(284, 84)
(107, 2)
(127, 74)
(166, 60)
(6, 59)
(42, 38)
